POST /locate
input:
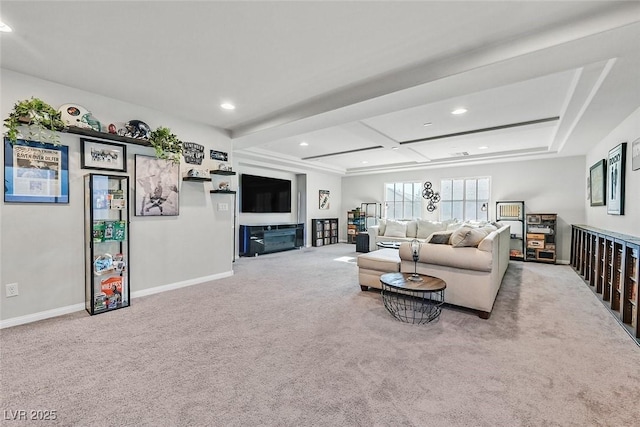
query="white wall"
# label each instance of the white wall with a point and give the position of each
(546, 186)
(43, 245)
(596, 216)
(314, 181)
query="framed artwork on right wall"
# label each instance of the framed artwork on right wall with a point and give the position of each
(615, 175)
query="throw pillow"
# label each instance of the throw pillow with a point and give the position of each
(412, 228)
(440, 238)
(426, 228)
(467, 236)
(395, 229)
(382, 223)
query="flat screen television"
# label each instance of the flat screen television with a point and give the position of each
(261, 194)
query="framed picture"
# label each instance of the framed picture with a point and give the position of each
(615, 186)
(156, 187)
(219, 155)
(597, 183)
(635, 155)
(36, 172)
(102, 155)
(324, 199)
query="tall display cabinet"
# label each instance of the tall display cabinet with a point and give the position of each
(106, 242)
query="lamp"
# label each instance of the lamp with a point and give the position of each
(483, 208)
(415, 253)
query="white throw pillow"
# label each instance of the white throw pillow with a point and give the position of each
(412, 229)
(426, 228)
(395, 229)
(382, 226)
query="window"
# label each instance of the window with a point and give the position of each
(403, 200)
(464, 199)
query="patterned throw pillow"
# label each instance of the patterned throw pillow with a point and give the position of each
(440, 238)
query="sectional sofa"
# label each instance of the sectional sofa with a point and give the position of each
(472, 260)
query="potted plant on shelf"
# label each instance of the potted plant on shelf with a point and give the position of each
(166, 144)
(40, 118)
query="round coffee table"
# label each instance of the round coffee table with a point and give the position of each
(412, 301)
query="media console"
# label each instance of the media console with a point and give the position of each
(264, 239)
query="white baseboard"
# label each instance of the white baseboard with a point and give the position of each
(21, 320)
(47, 314)
(178, 285)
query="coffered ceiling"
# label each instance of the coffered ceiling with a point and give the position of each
(355, 81)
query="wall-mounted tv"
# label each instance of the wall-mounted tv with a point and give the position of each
(260, 194)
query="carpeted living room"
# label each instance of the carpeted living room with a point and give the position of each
(417, 213)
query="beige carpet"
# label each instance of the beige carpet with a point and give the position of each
(290, 340)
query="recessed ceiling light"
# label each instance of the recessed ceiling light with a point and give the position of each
(395, 148)
(4, 28)
(227, 106)
(304, 144)
(459, 111)
(364, 162)
(427, 124)
(484, 147)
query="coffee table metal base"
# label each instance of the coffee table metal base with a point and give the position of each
(415, 305)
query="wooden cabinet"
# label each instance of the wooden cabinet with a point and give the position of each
(324, 231)
(609, 264)
(541, 237)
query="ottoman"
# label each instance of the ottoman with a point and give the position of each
(374, 264)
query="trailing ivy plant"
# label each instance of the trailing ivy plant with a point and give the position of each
(40, 118)
(166, 144)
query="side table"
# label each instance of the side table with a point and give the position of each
(410, 301)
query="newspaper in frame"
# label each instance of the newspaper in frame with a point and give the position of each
(36, 172)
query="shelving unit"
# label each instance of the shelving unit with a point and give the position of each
(324, 231)
(354, 225)
(512, 214)
(369, 214)
(106, 242)
(196, 178)
(608, 263)
(541, 238)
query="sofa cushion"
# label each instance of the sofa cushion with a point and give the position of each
(425, 228)
(386, 260)
(395, 229)
(487, 243)
(447, 255)
(467, 235)
(440, 238)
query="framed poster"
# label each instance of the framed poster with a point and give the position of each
(102, 155)
(156, 186)
(615, 186)
(36, 172)
(597, 183)
(324, 199)
(635, 155)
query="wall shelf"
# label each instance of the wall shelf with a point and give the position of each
(221, 172)
(223, 191)
(195, 178)
(104, 135)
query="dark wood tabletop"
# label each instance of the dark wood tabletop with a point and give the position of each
(401, 281)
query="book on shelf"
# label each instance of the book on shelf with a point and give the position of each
(112, 288)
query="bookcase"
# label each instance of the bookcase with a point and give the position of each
(608, 262)
(354, 225)
(541, 237)
(324, 231)
(106, 242)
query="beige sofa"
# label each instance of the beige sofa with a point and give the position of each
(406, 230)
(473, 273)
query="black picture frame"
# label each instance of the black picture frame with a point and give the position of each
(35, 172)
(157, 191)
(598, 183)
(616, 161)
(102, 155)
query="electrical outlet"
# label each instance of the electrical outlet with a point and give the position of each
(223, 206)
(12, 290)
